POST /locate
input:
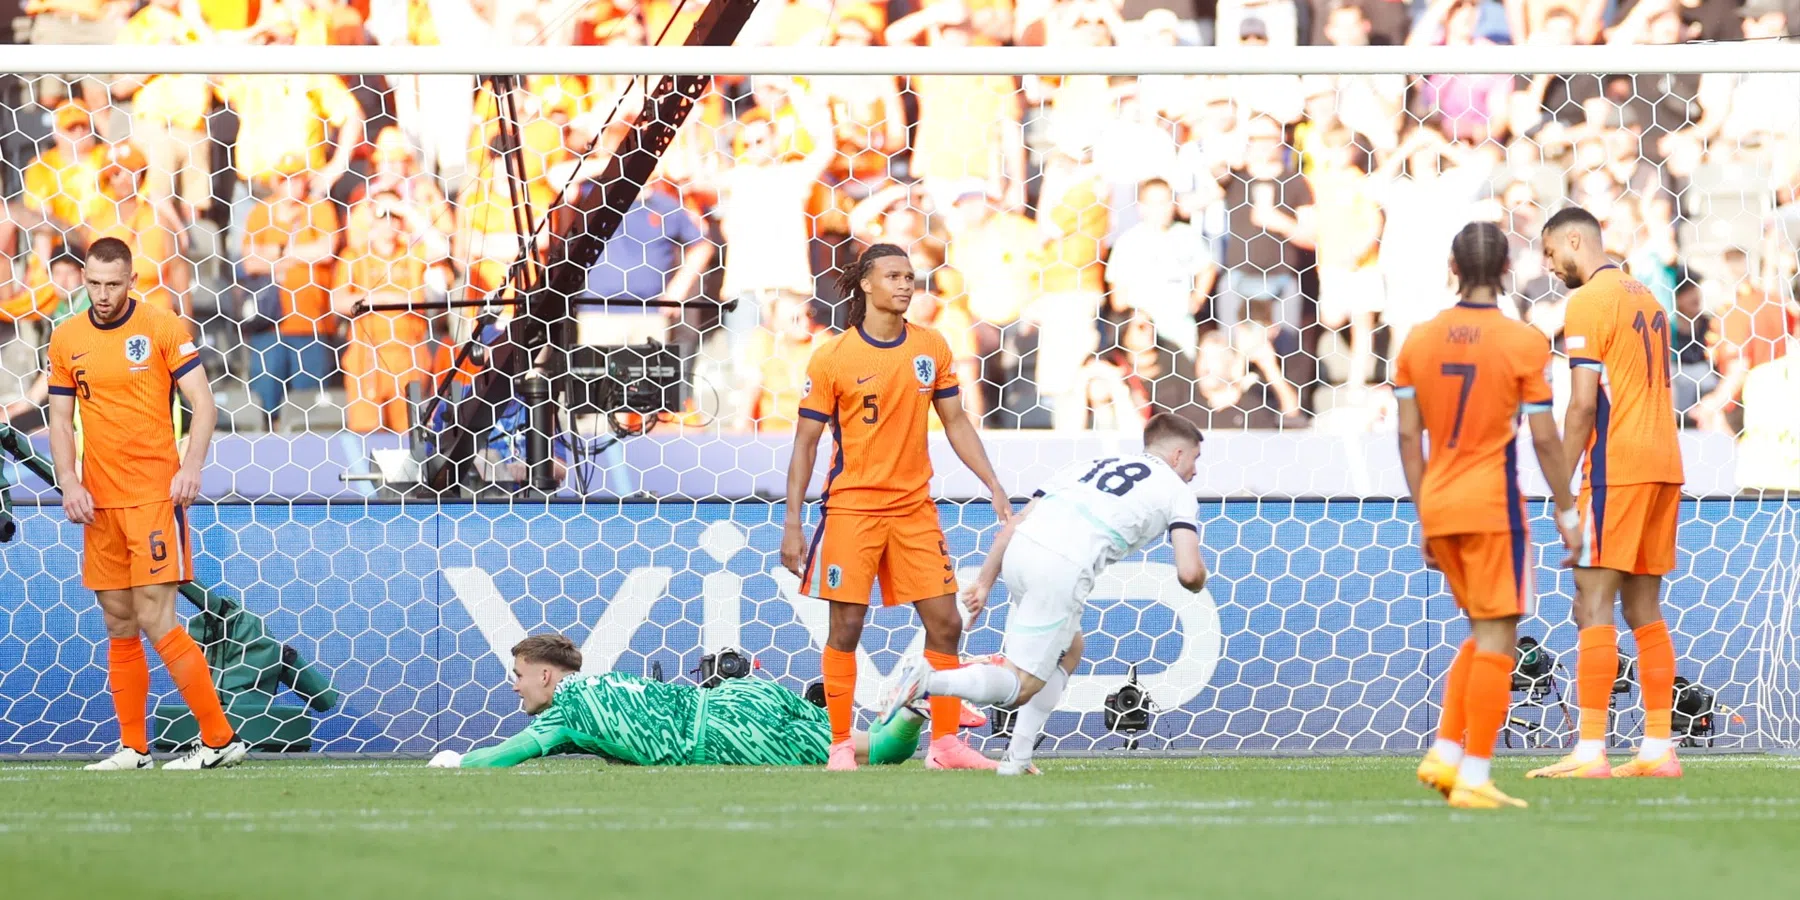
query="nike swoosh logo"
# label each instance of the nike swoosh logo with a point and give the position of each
(864, 378)
(159, 569)
(76, 356)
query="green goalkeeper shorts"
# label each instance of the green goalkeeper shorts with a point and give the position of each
(751, 722)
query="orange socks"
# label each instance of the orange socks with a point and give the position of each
(129, 676)
(1656, 677)
(187, 665)
(1487, 699)
(946, 711)
(1456, 686)
(1596, 668)
(840, 692)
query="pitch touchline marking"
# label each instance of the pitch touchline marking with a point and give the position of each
(787, 824)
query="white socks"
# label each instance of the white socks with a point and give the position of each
(1474, 771)
(986, 684)
(1448, 751)
(1587, 751)
(1028, 723)
(1654, 749)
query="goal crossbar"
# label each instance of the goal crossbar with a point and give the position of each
(451, 60)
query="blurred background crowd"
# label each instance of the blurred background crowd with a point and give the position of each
(1248, 251)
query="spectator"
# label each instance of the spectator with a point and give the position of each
(161, 274)
(996, 254)
(1743, 113)
(283, 116)
(1110, 403)
(395, 170)
(1370, 105)
(1467, 107)
(73, 22)
(1692, 336)
(1162, 269)
(1276, 95)
(1159, 379)
(1383, 23)
(388, 351)
(658, 252)
(1072, 222)
(1349, 238)
(1279, 21)
(168, 113)
(289, 243)
(1753, 330)
(63, 182)
(1227, 393)
(1138, 145)
(1271, 227)
(1427, 190)
(762, 214)
(776, 360)
(867, 113)
(968, 127)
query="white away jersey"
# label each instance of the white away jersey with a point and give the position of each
(1095, 513)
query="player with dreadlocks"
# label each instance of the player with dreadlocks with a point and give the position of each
(1465, 377)
(873, 385)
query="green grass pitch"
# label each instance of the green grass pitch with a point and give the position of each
(1092, 829)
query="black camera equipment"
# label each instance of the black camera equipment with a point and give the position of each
(1692, 716)
(518, 350)
(656, 670)
(1127, 710)
(815, 694)
(716, 667)
(641, 378)
(1627, 675)
(1532, 672)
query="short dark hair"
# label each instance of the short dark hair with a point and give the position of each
(549, 649)
(1165, 427)
(66, 257)
(109, 250)
(1571, 215)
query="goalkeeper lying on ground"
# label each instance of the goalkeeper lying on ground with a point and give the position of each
(627, 719)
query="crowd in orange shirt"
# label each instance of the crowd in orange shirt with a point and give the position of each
(1283, 234)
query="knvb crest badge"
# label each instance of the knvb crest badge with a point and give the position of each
(137, 348)
(925, 369)
(834, 576)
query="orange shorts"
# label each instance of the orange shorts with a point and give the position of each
(133, 546)
(1489, 574)
(1630, 527)
(905, 553)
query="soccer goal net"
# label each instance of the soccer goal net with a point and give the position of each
(506, 354)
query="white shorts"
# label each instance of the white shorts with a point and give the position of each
(1048, 592)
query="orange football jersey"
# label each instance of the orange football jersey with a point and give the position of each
(122, 375)
(875, 396)
(1615, 326)
(1473, 371)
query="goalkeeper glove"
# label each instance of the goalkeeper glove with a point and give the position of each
(446, 759)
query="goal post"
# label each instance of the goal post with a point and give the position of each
(1240, 236)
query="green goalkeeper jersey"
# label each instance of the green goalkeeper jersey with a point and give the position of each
(621, 717)
(742, 722)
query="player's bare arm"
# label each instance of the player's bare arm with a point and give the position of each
(800, 470)
(78, 505)
(975, 594)
(1412, 461)
(967, 444)
(1578, 419)
(195, 388)
(1555, 466)
(1190, 569)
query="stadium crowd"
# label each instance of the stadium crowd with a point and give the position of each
(1247, 251)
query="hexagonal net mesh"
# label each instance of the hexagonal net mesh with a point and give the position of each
(378, 268)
